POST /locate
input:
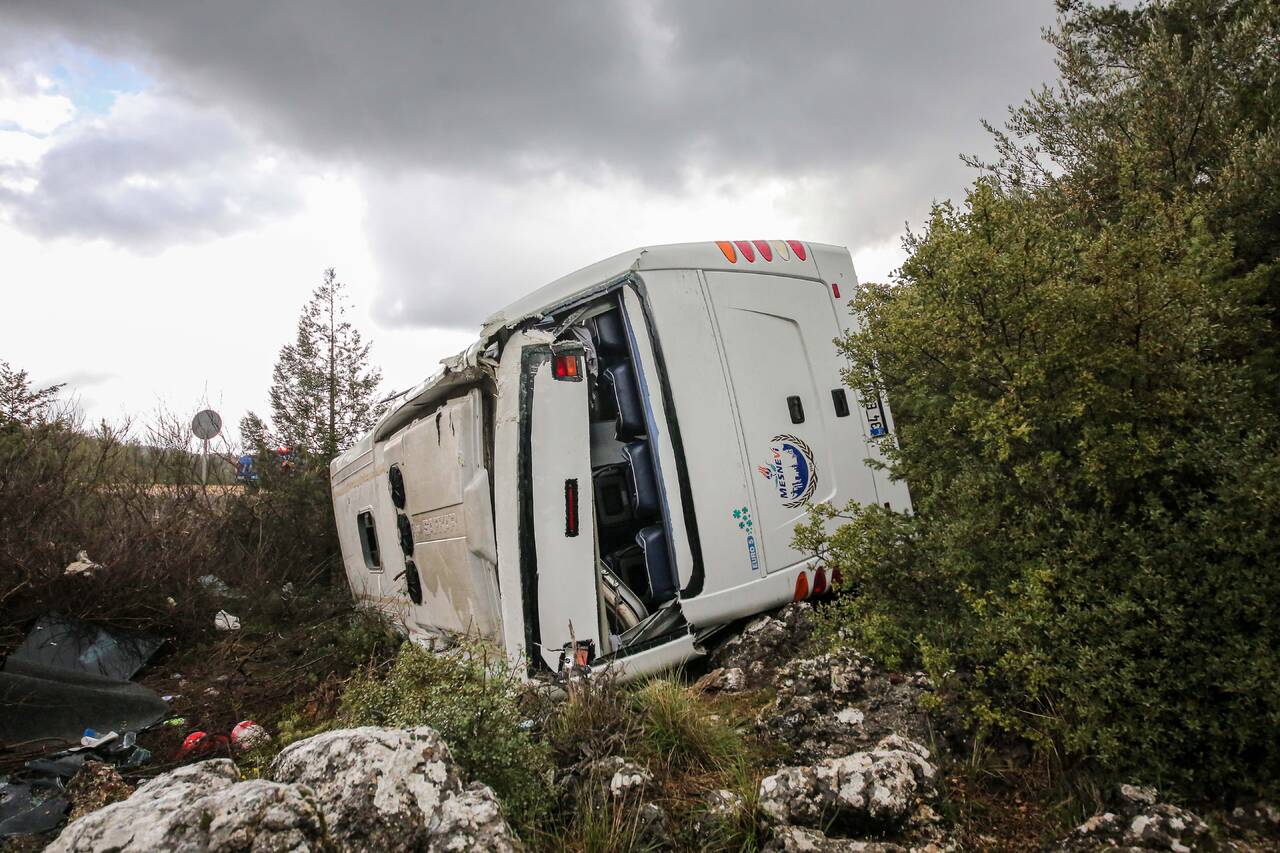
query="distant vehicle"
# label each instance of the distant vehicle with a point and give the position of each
(246, 473)
(616, 467)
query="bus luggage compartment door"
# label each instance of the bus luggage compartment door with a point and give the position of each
(559, 508)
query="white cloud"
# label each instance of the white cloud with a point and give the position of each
(156, 170)
(29, 103)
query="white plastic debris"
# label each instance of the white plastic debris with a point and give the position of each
(92, 740)
(224, 621)
(82, 565)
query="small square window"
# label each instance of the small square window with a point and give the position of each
(369, 541)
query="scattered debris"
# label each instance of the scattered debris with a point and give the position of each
(248, 735)
(68, 676)
(82, 565)
(224, 621)
(27, 808)
(198, 744)
(216, 586)
(93, 740)
(70, 644)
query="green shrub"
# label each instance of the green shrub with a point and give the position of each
(1082, 360)
(471, 696)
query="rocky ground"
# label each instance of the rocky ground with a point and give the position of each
(860, 767)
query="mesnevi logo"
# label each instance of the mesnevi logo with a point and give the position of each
(791, 469)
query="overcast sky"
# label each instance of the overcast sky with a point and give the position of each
(175, 176)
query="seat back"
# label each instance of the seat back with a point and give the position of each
(645, 499)
(657, 563)
(626, 394)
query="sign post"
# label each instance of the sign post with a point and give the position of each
(206, 425)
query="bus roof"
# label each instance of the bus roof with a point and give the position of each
(785, 257)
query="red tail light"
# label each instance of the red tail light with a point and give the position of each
(745, 248)
(835, 290)
(762, 246)
(798, 248)
(566, 367)
(819, 581)
(802, 586)
(835, 578)
(571, 507)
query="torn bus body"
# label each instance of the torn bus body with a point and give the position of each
(616, 467)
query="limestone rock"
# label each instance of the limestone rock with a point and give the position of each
(393, 789)
(835, 704)
(860, 792)
(766, 640)
(622, 777)
(722, 680)
(797, 839)
(1141, 822)
(201, 807)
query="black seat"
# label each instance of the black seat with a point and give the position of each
(609, 334)
(645, 498)
(612, 486)
(657, 563)
(627, 563)
(626, 394)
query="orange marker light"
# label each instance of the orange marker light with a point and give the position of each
(802, 586)
(730, 254)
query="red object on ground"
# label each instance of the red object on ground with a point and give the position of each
(247, 734)
(200, 744)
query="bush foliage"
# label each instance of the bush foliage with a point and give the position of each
(1082, 360)
(471, 696)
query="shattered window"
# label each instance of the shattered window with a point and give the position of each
(369, 541)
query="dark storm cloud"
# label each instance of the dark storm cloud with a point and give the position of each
(637, 86)
(456, 115)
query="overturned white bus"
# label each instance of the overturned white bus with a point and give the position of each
(615, 468)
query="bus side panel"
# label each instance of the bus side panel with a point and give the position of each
(360, 488)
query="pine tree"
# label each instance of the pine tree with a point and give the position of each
(323, 389)
(20, 402)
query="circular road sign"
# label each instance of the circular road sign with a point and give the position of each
(206, 424)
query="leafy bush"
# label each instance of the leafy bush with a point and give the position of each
(1082, 360)
(471, 696)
